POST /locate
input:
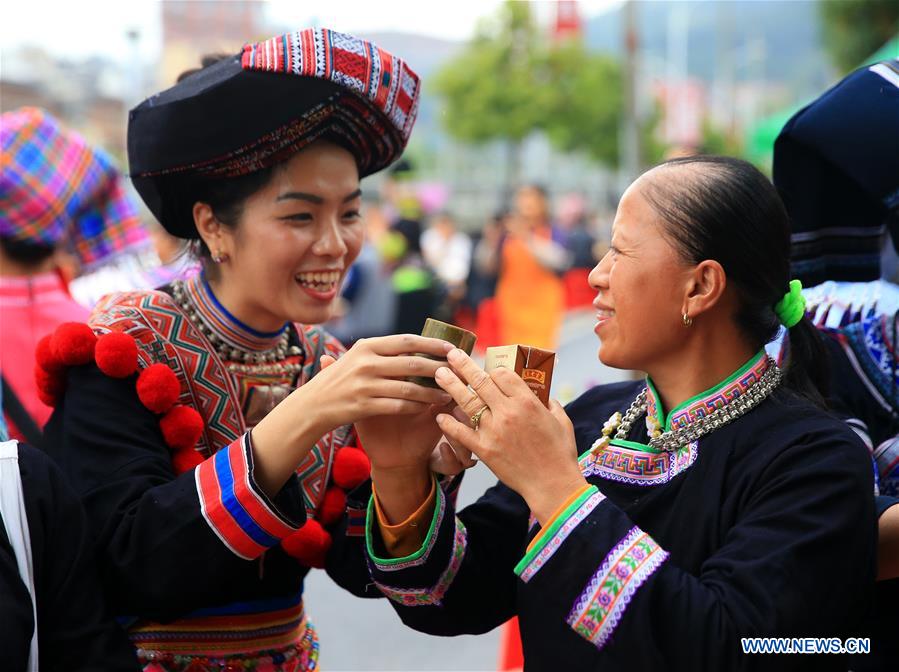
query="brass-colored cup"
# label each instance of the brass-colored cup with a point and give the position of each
(461, 338)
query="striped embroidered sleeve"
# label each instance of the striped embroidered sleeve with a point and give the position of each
(460, 580)
(591, 597)
(234, 506)
(607, 594)
(424, 576)
(548, 539)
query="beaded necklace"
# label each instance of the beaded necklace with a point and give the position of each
(620, 425)
(241, 349)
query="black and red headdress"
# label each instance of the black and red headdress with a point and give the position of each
(257, 108)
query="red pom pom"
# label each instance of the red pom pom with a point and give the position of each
(333, 505)
(351, 467)
(50, 386)
(158, 388)
(116, 354)
(181, 428)
(73, 344)
(186, 460)
(309, 544)
(43, 355)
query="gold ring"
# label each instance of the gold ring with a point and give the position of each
(476, 418)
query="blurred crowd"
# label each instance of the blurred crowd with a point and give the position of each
(510, 279)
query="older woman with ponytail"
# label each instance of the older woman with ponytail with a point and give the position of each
(653, 524)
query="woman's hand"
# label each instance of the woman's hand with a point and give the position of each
(401, 442)
(530, 448)
(450, 458)
(370, 380)
(411, 438)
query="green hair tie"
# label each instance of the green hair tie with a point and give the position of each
(791, 308)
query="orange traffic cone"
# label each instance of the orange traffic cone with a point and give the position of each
(511, 657)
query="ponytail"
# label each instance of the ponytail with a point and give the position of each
(806, 366)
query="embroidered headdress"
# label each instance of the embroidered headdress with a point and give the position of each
(259, 107)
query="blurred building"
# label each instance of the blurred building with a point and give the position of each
(684, 108)
(194, 28)
(87, 95)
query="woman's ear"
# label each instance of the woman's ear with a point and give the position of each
(209, 228)
(217, 236)
(705, 288)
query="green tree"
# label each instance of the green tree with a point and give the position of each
(854, 29)
(510, 82)
(581, 101)
(490, 88)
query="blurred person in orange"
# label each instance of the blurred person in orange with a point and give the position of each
(530, 295)
(63, 208)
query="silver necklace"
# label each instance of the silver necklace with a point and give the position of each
(237, 359)
(675, 439)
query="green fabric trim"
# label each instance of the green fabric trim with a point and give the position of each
(752, 361)
(371, 519)
(546, 534)
(655, 396)
(411, 279)
(634, 445)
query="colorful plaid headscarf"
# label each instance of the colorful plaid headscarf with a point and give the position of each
(58, 190)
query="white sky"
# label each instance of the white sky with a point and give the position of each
(81, 28)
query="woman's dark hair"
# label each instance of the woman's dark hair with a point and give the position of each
(205, 61)
(26, 252)
(226, 196)
(725, 209)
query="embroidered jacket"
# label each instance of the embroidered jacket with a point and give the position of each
(764, 527)
(192, 561)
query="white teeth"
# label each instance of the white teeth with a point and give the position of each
(320, 281)
(605, 313)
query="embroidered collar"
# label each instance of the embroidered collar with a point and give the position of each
(706, 402)
(626, 461)
(638, 464)
(223, 324)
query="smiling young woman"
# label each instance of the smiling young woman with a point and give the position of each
(216, 458)
(295, 238)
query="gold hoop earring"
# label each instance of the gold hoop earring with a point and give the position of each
(688, 321)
